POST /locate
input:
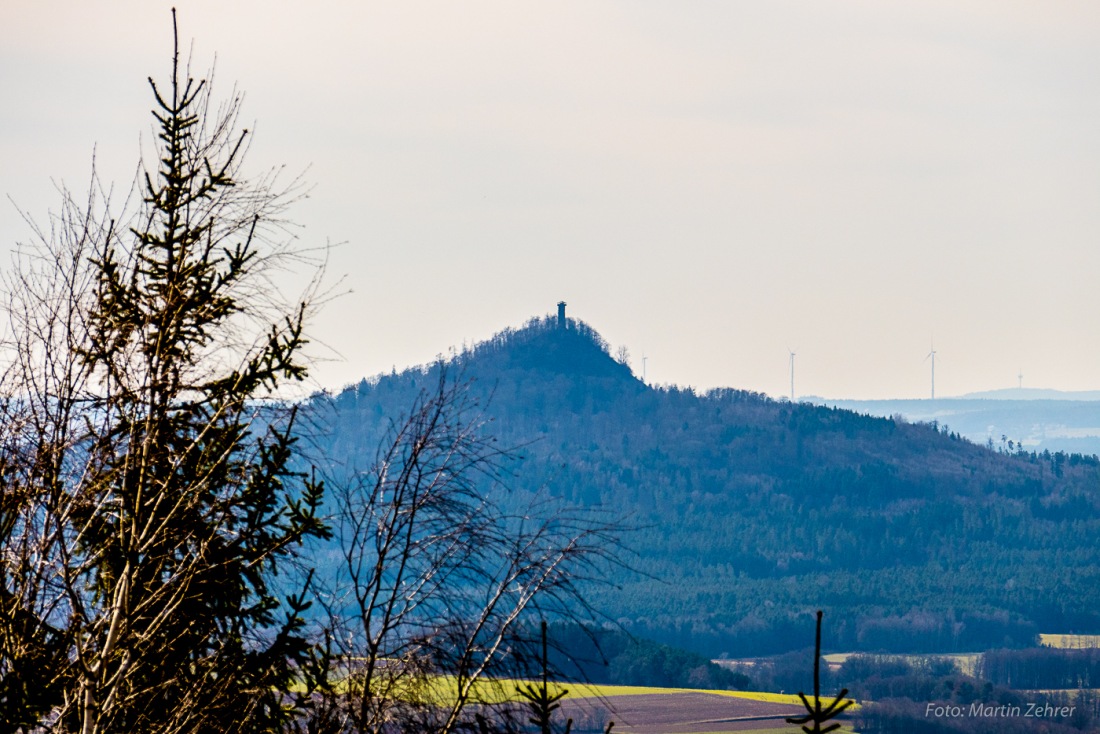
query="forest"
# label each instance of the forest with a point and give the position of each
(745, 512)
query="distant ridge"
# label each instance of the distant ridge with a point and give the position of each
(1047, 420)
(1032, 393)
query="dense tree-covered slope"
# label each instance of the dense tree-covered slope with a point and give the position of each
(750, 512)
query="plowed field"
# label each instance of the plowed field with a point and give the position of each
(681, 713)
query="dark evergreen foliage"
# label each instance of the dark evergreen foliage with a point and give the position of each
(1042, 667)
(610, 656)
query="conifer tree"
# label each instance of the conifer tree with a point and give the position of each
(816, 714)
(148, 500)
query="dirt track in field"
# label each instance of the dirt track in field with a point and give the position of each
(680, 713)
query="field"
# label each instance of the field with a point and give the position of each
(647, 710)
(965, 662)
(638, 710)
(1070, 642)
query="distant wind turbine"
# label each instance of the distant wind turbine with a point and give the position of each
(932, 356)
(1021, 376)
(792, 373)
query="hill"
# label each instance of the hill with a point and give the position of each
(1033, 393)
(751, 512)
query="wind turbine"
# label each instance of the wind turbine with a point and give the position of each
(792, 373)
(1021, 376)
(932, 355)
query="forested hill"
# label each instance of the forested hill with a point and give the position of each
(751, 511)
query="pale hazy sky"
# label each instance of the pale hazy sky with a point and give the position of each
(708, 183)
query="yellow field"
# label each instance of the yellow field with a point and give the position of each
(1070, 642)
(580, 690)
(505, 690)
(500, 690)
(445, 688)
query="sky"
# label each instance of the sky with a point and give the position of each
(710, 184)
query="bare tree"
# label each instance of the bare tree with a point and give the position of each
(441, 585)
(146, 499)
(39, 411)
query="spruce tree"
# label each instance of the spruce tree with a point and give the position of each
(159, 488)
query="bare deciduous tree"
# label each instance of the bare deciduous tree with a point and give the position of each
(442, 582)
